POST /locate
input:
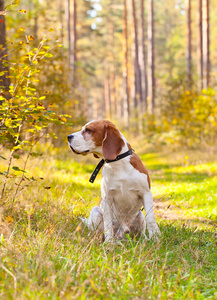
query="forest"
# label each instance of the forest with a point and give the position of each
(149, 66)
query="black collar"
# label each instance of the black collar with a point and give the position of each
(101, 163)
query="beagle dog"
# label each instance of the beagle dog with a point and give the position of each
(125, 186)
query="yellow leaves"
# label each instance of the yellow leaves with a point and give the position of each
(38, 127)
(46, 47)
(22, 11)
(52, 105)
(8, 122)
(48, 55)
(53, 135)
(62, 119)
(30, 53)
(31, 38)
(9, 219)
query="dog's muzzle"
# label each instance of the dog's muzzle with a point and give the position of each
(76, 152)
(70, 138)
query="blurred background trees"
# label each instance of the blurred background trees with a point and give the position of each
(148, 65)
(4, 70)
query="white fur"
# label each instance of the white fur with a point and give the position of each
(124, 190)
(79, 144)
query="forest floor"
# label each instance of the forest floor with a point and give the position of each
(46, 253)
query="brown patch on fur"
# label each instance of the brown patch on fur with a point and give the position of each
(96, 131)
(104, 133)
(138, 165)
(112, 143)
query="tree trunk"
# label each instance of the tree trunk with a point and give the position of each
(200, 48)
(95, 106)
(188, 53)
(151, 78)
(112, 62)
(68, 20)
(33, 7)
(4, 79)
(107, 99)
(36, 26)
(137, 70)
(72, 35)
(143, 58)
(206, 54)
(126, 73)
(61, 20)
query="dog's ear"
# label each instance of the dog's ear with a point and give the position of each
(112, 143)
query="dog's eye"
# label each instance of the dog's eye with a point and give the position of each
(88, 130)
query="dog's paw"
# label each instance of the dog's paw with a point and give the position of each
(153, 231)
(109, 239)
(84, 221)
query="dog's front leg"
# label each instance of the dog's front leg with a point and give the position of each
(150, 217)
(108, 220)
(107, 195)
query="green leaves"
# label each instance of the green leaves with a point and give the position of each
(34, 154)
(18, 169)
(26, 117)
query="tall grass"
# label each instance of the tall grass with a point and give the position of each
(48, 254)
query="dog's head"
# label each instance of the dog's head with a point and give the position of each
(101, 138)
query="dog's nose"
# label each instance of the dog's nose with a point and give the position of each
(70, 137)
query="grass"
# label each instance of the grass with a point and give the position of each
(191, 183)
(49, 255)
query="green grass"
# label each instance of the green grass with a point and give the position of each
(187, 181)
(51, 256)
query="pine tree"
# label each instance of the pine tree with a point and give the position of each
(4, 69)
(151, 66)
(206, 44)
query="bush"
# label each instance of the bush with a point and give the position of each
(24, 115)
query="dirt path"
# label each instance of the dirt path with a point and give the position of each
(166, 211)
